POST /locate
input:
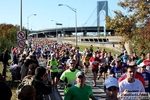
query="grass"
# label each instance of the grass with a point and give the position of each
(95, 48)
(13, 85)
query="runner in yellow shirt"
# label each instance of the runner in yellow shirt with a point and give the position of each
(86, 63)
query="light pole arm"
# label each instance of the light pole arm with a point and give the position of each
(73, 9)
(28, 22)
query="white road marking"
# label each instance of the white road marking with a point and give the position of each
(101, 90)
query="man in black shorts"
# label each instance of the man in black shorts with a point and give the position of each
(103, 67)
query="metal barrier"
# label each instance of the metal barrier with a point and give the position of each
(95, 40)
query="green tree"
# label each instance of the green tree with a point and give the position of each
(132, 26)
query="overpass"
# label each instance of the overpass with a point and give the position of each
(67, 31)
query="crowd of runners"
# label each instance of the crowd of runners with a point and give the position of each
(67, 65)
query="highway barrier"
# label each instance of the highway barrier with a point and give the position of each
(95, 40)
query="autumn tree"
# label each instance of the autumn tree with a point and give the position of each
(134, 25)
(8, 36)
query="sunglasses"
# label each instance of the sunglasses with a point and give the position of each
(72, 63)
(144, 67)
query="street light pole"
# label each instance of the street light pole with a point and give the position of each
(28, 22)
(20, 15)
(73, 9)
(56, 29)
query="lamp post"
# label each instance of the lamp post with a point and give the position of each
(74, 10)
(56, 28)
(20, 15)
(28, 22)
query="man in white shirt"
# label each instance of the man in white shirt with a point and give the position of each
(130, 84)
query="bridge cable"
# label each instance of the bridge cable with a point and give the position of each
(98, 15)
(89, 17)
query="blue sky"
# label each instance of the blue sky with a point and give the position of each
(48, 10)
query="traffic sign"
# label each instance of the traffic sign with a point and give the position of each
(21, 35)
(21, 43)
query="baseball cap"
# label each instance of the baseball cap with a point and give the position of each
(80, 73)
(111, 82)
(141, 65)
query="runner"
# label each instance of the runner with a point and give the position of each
(80, 91)
(69, 76)
(146, 76)
(130, 84)
(141, 59)
(94, 62)
(53, 66)
(147, 62)
(103, 66)
(116, 71)
(86, 63)
(111, 88)
(137, 75)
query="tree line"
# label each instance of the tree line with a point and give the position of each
(8, 36)
(134, 25)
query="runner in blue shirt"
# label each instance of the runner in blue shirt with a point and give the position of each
(146, 76)
(116, 71)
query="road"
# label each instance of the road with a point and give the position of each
(98, 91)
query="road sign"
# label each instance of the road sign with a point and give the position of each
(58, 23)
(21, 35)
(21, 43)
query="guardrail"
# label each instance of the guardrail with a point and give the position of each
(95, 40)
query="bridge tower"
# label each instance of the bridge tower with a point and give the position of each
(101, 5)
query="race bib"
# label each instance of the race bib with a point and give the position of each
(146, 83)
(95, 62)
(60, 66)
(73, 82)
(86, 63)
(54, 67)
(118, 75)
(60, 70)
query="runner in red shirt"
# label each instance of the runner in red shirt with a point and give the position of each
(94, 62)
(147, 62)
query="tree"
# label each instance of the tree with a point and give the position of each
(133, 26)
(8, 36)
